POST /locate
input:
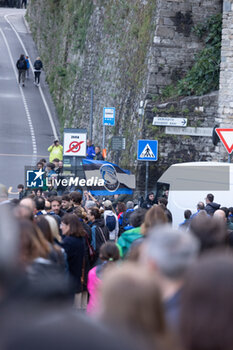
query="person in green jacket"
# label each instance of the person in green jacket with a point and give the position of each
(56, 151)
(134, 232)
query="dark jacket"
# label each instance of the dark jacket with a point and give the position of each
(97, 238)
(210, 208)
(75, 251)
(90, 152)
(23, 62)
(148, 203)
(38, 65)
(98, 156)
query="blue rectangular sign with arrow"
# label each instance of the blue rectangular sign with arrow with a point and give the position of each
(148, 150)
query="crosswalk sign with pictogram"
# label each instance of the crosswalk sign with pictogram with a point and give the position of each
(147, 150)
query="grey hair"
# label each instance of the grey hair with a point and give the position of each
(130, 205)
(172, 250)
(90, 204)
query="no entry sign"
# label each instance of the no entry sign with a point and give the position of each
(75, 142)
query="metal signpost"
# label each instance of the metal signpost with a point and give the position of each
(74, 150)
(147, 151)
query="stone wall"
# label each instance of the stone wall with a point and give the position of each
(174, 44)
(225, 111)
(200, 112)
(127, 51)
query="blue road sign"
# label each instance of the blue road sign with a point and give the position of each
(109, 116)
(148, 150)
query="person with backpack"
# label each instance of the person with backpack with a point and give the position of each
(99, 231)
(22, 67)
(38, 65)
(125, 217)
(111, 221)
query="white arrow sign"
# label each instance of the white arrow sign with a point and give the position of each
(167, 121)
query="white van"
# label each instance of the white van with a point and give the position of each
(189, 183)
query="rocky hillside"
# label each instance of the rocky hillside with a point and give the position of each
(132, 53)
(101, 45)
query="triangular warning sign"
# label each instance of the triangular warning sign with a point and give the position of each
(226, 136)
(147, 152)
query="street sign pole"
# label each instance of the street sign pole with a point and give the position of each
(103, 137)
(147, 151)
(91, 116)
(147, 177)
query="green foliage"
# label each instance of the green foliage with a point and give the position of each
(204, 75)
(81, 19)
(169, 91)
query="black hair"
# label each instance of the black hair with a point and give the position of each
(137, 217)
(20, 186)
(40, 203)
(187, 214)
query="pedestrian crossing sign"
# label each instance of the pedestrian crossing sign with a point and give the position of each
(148, 150)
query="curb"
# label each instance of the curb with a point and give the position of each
(26, 24)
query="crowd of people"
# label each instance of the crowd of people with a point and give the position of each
(23, 66)
(121, 265)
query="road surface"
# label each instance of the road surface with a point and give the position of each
(28, 122)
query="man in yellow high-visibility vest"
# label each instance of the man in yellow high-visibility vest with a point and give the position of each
(56, 151)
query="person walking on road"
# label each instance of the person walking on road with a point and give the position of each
(28, 66)
(24, 4)
(38, 65)
(22, 67)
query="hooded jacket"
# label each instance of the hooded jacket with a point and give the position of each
(211, 208)
(99, 235)
(113, 235)
(148, 203)
(126, 239)
(90, 152)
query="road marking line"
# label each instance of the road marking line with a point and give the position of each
(20, 88)
(20, 155)
(41, 92)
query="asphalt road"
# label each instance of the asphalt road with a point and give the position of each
(28, 121)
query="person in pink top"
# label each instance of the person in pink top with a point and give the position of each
(109, 253)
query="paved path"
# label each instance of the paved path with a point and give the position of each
(28, 123)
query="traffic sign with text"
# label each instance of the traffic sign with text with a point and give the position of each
(167, 121)
(75, 143)
(109, 116)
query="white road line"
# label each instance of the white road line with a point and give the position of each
(21, 91)
(41, 92)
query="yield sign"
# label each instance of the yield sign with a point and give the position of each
(226, 136)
